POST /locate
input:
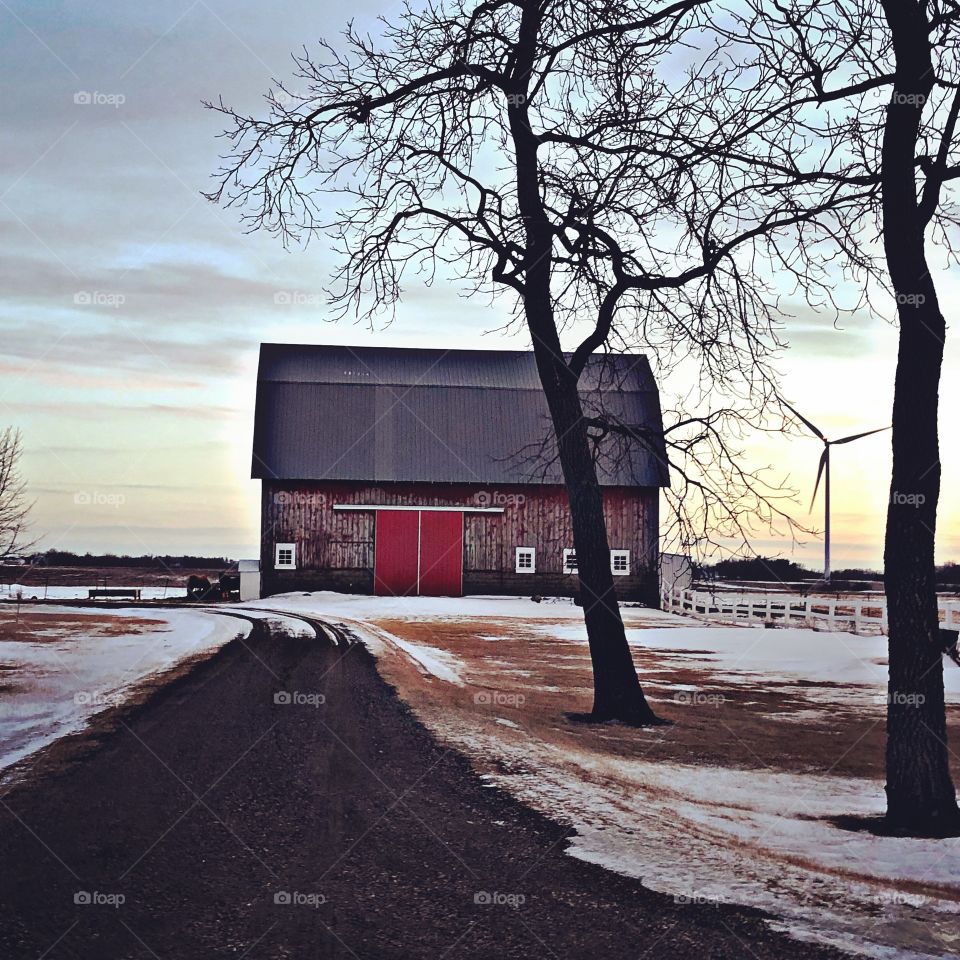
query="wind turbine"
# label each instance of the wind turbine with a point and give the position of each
(824, 468)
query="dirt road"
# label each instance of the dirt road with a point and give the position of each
(280, 801)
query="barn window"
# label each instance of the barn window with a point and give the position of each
(526, 560)
(569, 561)
(620, 562)
(286, 558)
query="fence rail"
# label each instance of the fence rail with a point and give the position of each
(863, 615)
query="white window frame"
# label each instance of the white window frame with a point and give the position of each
(567, 568)
(525, 552)
(277, 564)
(616, 555)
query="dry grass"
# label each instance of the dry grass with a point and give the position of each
(43, 627)
(534, 681)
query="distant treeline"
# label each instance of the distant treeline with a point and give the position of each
(64, 558)
(778, 569)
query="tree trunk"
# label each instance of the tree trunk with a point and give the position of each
(921, 798)
(617, 691)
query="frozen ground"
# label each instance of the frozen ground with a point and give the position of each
(438, 608)
(60, 666)
(10, 591)
(739, 654)
(778, 733)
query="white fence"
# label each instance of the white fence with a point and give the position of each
(853, 614)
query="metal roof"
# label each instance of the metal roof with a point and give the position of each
(381, 414)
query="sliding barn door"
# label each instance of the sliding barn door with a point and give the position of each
(418, 552)
(396, 548)
(441, 553)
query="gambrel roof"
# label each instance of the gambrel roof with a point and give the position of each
(382, 414)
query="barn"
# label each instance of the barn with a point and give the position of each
(433, 472)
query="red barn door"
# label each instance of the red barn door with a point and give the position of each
(418, 552)
(395, 553)
(441, 553)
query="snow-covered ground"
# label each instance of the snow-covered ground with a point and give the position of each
(438, 663)
(762, 835)
(742, 654)
(55, 679)
(328, 604)
(11, 591)
(292, 626)
(761, 839)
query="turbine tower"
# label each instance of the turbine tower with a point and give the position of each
(824, 471)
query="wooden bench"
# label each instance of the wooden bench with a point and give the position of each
(103, 593)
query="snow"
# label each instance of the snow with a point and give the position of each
(10, 591)
(438, 609)
(53, 687)
(437, 663)
(291, 626)
(765, 838)
(429, 660)
(754, 838)
(741, 654)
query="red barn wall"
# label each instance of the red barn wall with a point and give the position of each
(335, 548)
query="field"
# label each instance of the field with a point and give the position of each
(761, 793)
(42, 582)
(60, 668)
(776, 747)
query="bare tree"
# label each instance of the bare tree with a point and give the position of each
(545, 150)
(878, 86)
(920, 791)
(14, 506)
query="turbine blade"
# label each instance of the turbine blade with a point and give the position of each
(816, 486)
(803, 419)
(857, 436)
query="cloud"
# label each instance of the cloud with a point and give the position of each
(111, 412)
(103, 198)
(811, 334)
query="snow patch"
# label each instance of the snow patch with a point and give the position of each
(438, 663)
(53, 688)
(364, 607)
(742, 654)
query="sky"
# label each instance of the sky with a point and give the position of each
(132, 309)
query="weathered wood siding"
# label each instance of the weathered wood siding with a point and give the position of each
(338, 545)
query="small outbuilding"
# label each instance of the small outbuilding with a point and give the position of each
(433, 472)
(249, 579)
